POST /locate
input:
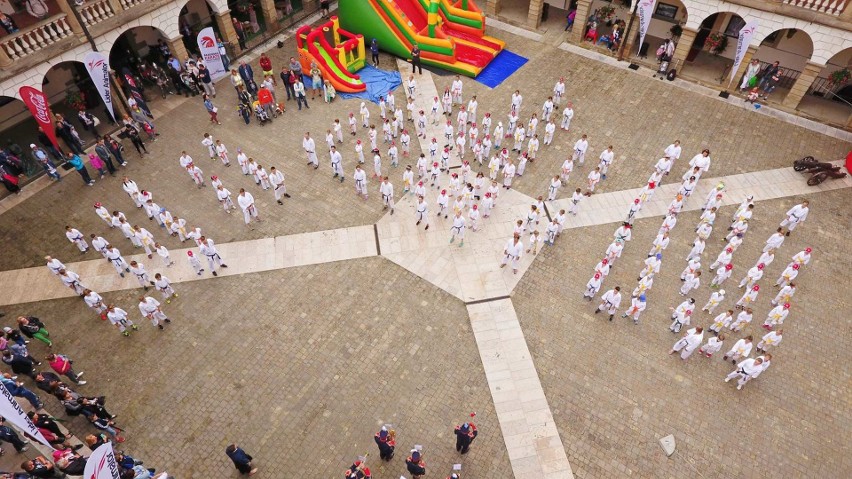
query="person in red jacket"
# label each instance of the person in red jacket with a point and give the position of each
(62, 365)
(266, 66)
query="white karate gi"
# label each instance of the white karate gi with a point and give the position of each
(72, 280)
(114, 257)
(788, 275)
(610, 301)
(95, 301)
(224, 196)
(164, 286)
(386, 190)
(132, 191)
(715, 298)
(742, 319)
(567, 115)
(76, 237)
(688, 343)
(721, 321)
(784, 295)
(246, 202)
(163, 252)
(208, 249)
(512, 253)
(54, 265)
(636, 308)
(141, 274)
(458, 228)
(795, 215)
(713, 346)
(310, 149)
(150, 309)
(119, 318)
(771, 338)
(744, 371)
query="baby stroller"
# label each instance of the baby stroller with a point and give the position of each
(260, 114)
(187, 80)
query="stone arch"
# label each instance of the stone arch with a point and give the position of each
(68, 80)
(664, 18)
(16, 122)
(139, 40)
(792, 47)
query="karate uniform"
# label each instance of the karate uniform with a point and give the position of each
(141, 274)
(784, 295)
(72, 280)
(104, 215)
(592, 287)
(636, 308)
(473, 217)
(688, 343)
(660, 243)
(771, 338)
(721, 321)
(801, 258)
(150, 308)
(680, 319)
(697, 249)
(512, 252)
(508, 175)
(310, 149)
(593, 179)
(208, 249)
(721, 260)
(96, 302)
(713, 346)
(164, 286)
(553, 189)
(119, 318)
(567, 115)
(196, 264)
(146, 239)
(459, 225)
(795, 215)
(787, 276)
(76, 237)
(575, 203)
(54, 265)
(208, 143)
(744, 371)
(614, 250)
(610, 301)
(580, 148)
(715, 298)
(246, 202)
(114, 257)
(673, 151)
(422, 212)
(690, 282)
(774, 242)
(263, 176)
(163, 252)
(776, 317)
(132, 191)
(742, 319)
(360, 177)
(222, 152)
(386, 190)
(224, 196)
(277, 181)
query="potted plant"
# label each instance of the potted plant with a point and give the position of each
(716, 43)
(75, 100)
(839, 77)
(606, 12)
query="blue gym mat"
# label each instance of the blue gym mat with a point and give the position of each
(379, 83)
(501, 67)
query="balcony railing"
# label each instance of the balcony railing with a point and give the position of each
(95, 12)
(130, 3)
(37, 37)
(829, 7)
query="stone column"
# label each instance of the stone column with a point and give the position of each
(683, 46)
(116, 6)
(583, 12)
(849, 123)
(534, 13)
(68, 10)
(5, 61)
(492, 7)
(226, 29)
(805, 80)
(749, 54)
(270, 15)
(178, 49)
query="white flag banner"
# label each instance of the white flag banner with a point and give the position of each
(97, 64)
(743, 42)
(102, 464)
(210, 53)
(12, 412)
(645, 10)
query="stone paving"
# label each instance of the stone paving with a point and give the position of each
(608, 420)
(614, 391)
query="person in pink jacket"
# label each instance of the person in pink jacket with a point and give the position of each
(63, 365)
(98, 164)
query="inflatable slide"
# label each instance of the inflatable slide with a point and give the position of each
(450, 35)
(337, 63)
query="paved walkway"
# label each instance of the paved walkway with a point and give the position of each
(471, 273)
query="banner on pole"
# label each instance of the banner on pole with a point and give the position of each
(37, 102)
(102, 463)
(135, 92)
(646, 9)
(97, 64)
(210, 53)
(12, 411)
(746, 32)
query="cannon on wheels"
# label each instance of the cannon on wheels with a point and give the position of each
(820, 171)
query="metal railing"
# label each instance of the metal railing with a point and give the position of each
(787, 77)
(829, 7)
(35, 38)
(824, 87)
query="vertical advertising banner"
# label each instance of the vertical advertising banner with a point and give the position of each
(37, 102)
(12, 411)
(102, 463)
(97, 64)
(743, 42)
(645, 10)
(210, 53)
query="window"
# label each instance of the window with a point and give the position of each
(734, 26)
(666, 11)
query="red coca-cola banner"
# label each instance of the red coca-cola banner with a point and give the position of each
(37, 102)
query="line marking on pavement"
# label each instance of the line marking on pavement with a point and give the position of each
(376, 234)
(486, 300)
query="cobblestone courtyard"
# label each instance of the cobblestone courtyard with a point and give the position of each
(301, 366)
